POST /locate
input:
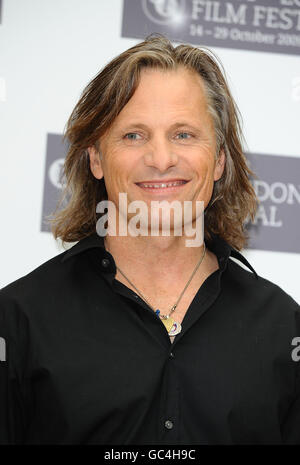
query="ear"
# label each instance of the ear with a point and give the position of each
(220, 165)
(95, 162)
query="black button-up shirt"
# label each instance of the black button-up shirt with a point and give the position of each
(87, 361)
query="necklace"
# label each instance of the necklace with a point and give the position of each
(172, 326)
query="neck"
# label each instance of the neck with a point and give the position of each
(158, 262)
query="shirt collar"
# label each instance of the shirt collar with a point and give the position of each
(223, 251)
(89, 242)
(219, 246)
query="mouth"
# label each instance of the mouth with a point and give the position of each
(169, 185)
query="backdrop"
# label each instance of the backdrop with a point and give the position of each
(50, 49)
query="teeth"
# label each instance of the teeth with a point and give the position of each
(169, 184)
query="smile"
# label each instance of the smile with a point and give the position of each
(151, 185)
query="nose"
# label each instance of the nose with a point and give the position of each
(160, 155)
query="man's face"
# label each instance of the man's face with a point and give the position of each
(163, 134)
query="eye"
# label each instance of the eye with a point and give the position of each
(183, 135)
(132, 136)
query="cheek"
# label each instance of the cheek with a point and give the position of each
(118, 168)
(205, 175)
(204, 169)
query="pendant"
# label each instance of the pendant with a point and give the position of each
(176, 329)
(172, 326)
(169, 323)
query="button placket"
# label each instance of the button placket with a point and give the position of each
(169, 424)
(105, 262)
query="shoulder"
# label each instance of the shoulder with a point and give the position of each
(258, 291)
(36, 285)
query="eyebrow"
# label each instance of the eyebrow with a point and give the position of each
(138, 125)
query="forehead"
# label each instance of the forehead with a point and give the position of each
(180, 79)
(163, 93)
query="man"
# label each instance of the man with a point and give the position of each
(139, 339)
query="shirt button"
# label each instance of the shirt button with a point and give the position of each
(105, 262)
(172, 355)
(168, 424)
